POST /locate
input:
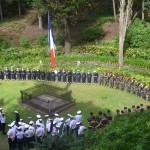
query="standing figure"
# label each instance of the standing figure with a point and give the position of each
(18, 74)
(59, 76)
(53, 76)
(89, 77)
(23, 74)
(1, 75)
(48, 74)
(83, 75)
(101, 79)
(95, 76)
(38, 74)
(3, 123)
(12, 74)
(64, 75)
(7, 74)
(74, 76)
(17, 117)
(43, 75)
(78, 77)
(28, 74)
(69, 76)
(33, 74)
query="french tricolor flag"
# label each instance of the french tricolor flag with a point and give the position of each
(51, 42)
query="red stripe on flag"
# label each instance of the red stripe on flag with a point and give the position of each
(52, 58)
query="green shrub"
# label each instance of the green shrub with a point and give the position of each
(4, 44)
(92, 33)
(138, 35)
(25, 43)
(42, 40)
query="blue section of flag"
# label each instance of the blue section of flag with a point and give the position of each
(49, 28)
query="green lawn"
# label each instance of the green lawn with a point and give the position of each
(88, 98)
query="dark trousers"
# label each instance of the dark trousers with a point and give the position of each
(20, 144)
(11, 144)
(3, 128)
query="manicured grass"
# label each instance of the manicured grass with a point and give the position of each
(88, 98)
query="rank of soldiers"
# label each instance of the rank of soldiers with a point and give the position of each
(105, 79)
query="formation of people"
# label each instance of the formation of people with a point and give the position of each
(22, 134)
(105, 79)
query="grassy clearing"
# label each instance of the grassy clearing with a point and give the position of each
(88, 98)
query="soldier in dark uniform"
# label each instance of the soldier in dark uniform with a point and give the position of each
(59, 76)
(69, 76)
(83, 75)
(122, 84)
(128, 84)
(17, 117)
(111, 81)
(74, 76)
(132, 86)
(7, 74)
(12, 74)
(91, 117)
(38, 74)
(1, 75)
(23, 74)
(117, 82)
(18, 74)
(148, 94)
(89, 77)
(106, 79)
(95, 76)
(64, 76)
(101, 79)
(99, 116)
(33, 74)
(78, 77)
(48, 74)
(28, 74)
(43, 75)
(53, 76)
(144, 92)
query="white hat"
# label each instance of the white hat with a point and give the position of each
(68, 115)
(61, 119)
(20, 123)
(16, 112)
(46, 116)
(9, 125)
(56, 115)
(71, 116)
(30, 122)
(54, 123)
(29, 117)
(79, 112)
(40, 120)
(1, 108)
(38, 116)
(26, 126)
(21, 120)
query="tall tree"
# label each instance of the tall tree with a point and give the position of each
(114, 10)
(66, 11)
(39, 5)
(143, 15)
(19, 8)
(124, 22)
(1, 11)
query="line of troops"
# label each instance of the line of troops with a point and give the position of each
(106, 79)
(22, 135)
(101, 120)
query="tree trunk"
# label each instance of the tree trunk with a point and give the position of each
(121, 48)
(40, 21)
(114, 10)
(143, 10)
(19, 8)
(67, 36)
(1, 12)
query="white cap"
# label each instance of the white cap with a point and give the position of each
(54, 122)
(1, 108)
(16, 112)
(46, 116)
(9, 125)
(20, 123)
(29, 117)
(40, 120)
(21, 119)
(38, 116)
(71, 116)
(26, 126)
(30, 122)
(61, 119)
(68, 115)
(19, 128)
(56, 115)
(79, 112)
